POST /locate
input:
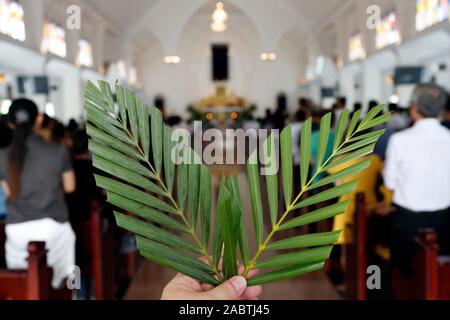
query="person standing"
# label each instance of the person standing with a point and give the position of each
(417, 170)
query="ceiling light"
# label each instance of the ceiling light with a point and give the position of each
(172, 59)
(219, 17)
(218, 26)
(268, 56)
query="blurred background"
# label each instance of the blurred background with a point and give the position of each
(232, 64)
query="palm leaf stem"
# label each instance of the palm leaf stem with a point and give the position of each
(276, 226)
(179, 211)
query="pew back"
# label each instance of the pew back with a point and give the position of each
(30, 284)
(355, 252)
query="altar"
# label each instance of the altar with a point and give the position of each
(223, 108)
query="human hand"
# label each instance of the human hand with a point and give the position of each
(182, 287)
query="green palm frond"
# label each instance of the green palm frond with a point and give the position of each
(168, 206)
(356, 144)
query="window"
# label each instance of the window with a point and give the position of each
(431, 12)
(54, 39)
(85, 57)
(11, 19)
(387, 30)
(356, 48)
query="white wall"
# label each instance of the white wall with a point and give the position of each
(253, 79)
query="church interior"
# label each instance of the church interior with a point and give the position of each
(245, 65)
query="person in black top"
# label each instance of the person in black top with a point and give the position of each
(34, 175)
(446, 114)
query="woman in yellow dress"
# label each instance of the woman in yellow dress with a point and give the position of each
(367, 184)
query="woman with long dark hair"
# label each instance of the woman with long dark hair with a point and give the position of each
(35, 174)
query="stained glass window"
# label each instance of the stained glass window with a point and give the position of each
(431, 12)
(11, 19)
(85, 57)
(356, 48)
(387, 30)
(54, 39)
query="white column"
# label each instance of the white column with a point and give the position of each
(72, 39)
(98, 41)
(34, 21)
(406, 15)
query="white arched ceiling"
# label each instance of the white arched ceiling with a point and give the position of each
(190, 80)
(244, 44)
(256, 80)
(168, 18)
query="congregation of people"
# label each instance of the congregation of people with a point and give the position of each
(48, 184)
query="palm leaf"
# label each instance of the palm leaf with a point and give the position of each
(134, 194)
(305, 151)
(347, 147)
(193, 192)
(169, 165)
(205, 193)
(303, 241)
(178, 256)
(350, 171)
(271, 179)
(228, 221)
(120, 94)
(145, 212)
(166, 256)
(150, 231)
(105, 139)
(340, 128)
(157, 141)
(130, 99)
(144, 130)
(316, 215)
(242, 233)
(182, 182)
(125, 174)
(255, 196)
(323, 138)
(287, 168)
(132, 146)
(284, 274)
(307, 256)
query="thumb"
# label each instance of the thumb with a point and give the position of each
(231, 289)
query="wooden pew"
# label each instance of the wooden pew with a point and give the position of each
(30, 284)
(2, 244)
(108, 272)
(431, 272)
(102, 251)
(34, 283)
(355, 252)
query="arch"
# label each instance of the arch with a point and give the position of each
(168, 18)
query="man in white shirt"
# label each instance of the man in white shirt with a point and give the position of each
(417, 170)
